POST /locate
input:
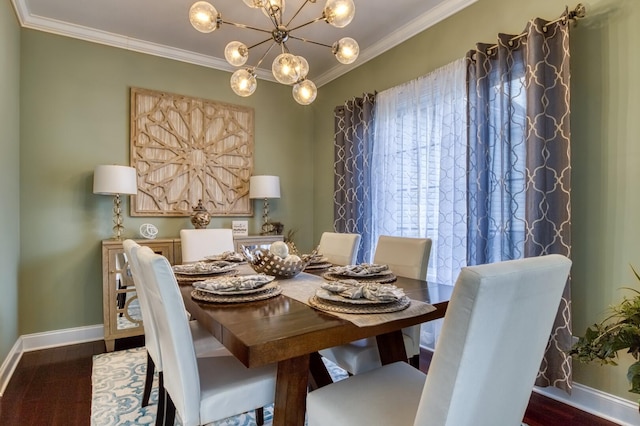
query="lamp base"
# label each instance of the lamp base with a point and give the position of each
(272, 228)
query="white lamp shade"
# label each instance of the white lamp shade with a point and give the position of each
(112, 179)
(264, 187)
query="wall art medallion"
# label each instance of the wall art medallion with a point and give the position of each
(188, 149)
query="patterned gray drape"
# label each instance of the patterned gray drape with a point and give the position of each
(519, 162)
(353, 141)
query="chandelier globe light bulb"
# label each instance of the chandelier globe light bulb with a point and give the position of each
(303, 67)
(243, 83)
(305, 92)
(285, 67)
(339, 13)
(236, 53)
(203, 17)
(346, 50)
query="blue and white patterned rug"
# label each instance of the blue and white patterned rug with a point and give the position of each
(118, 380)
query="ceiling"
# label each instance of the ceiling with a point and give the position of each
(162, 28)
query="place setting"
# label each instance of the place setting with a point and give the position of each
(364, 272)
(317, 263)
(197, 271)
(236, 289)
(354, 297)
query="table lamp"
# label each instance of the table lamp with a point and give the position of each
(265, 187)
(115, 180)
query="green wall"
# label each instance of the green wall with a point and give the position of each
(9, 176)
(74, 116)
(605, 147)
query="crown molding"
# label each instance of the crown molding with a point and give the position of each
(421, 23)
(416, 26)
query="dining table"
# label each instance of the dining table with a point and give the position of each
(288, 331)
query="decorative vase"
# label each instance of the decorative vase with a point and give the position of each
(200, 217)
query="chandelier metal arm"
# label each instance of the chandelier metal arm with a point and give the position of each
(310, 41)
(235, 24)
(265, 53)
(297, 12)
(307, 23)
(259, 43)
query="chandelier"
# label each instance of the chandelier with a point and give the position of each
(287, 68)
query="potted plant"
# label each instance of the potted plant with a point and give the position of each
(619, 331)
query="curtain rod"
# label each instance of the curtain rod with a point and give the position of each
(580, 11)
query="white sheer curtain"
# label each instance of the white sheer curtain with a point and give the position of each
(419, 166)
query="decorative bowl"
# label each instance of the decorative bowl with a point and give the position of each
(263, 261)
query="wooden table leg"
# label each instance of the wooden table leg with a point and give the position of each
(391, 347)
(291, 391)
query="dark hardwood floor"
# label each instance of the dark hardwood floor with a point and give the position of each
(53, 387)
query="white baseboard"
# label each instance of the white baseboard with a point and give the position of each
(48, 339)
(596, 402)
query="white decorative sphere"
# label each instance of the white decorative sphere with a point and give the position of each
(292, 258)
(279, 249)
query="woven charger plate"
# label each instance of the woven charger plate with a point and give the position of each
(385, 278)
(318, 266)
(204, 296)
(348, 308)
(264, 287)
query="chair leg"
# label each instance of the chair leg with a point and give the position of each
(414, 361)
(260, 416)
(148, 381)
(170, 414)
(162, 397)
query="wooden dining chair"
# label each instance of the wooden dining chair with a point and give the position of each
(406, 257)
(198, 243)
(339, 248)
(205, 344)
(485, 363)
(197, 390)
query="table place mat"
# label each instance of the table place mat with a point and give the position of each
(268, 293)
(303, 287)
(366, 309)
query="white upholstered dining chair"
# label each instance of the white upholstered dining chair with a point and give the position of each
(339, 248)
(406, 257)
(198, 243)
(197, 390)
(205, 344)
(485, 363)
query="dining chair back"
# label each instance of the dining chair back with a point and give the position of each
(494, 335)
(198, 243)
(406, 257)
(204, 342)
(339, 248)
(199, 390)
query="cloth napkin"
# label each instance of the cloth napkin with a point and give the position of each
(363, 269)
(201, 267)
(229, 256)
(243, 282)
(352, 289)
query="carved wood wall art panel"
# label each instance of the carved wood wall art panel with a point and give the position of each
(188, 149)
